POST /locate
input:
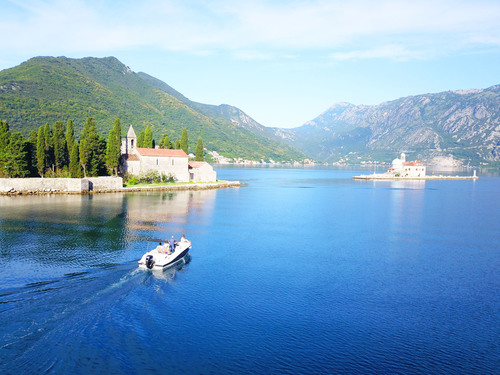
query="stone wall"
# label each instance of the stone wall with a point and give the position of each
(59, 185)
(105, 183)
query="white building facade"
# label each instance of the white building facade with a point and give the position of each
(201, 171)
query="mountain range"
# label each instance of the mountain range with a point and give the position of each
(463, 126)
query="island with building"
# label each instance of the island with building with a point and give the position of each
(410, 170)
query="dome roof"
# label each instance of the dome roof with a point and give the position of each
(397, 163)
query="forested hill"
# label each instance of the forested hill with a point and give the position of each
(50, 89)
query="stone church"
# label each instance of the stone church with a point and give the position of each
(137, 160)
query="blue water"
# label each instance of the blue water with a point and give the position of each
(299, 271)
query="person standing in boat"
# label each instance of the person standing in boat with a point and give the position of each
(172, 242)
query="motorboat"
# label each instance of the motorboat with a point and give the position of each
(162, 257)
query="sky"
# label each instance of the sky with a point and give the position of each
(283, 62)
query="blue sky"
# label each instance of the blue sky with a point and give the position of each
(282, 62)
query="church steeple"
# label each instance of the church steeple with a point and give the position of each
(130, 140)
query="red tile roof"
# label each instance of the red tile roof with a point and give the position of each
(131, 157)
(161, 152)
(414, 163)
(196, 164)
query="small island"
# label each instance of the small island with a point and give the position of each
(412, 170)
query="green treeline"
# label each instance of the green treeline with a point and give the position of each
(53, 151)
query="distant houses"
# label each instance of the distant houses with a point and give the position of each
(174, 163)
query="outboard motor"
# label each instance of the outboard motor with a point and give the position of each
(150, 261)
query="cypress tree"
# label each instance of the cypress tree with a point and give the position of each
(32, 153)
(74, 162)
(113, 150)
(148, 138)
(98, 162)
(49, 149)
(16, 163)
(4, 142)
(184, 141)
(199, 151)
(165, 142)
(140, 139)
(59, 145)
(40, 151)
(70, 135)
(178, 145)
(89, 146)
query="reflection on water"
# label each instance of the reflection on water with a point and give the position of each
(168, 207)
(59, 234)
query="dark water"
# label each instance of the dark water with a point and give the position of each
(301, 271)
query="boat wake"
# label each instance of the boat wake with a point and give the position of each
(55, 324)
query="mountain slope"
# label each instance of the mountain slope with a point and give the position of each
(223, 111)
(48, 89)
(464, 124)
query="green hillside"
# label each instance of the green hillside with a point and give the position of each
(49, 89)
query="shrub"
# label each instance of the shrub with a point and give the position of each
(149, 177)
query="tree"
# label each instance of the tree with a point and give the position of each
(184, 141)
(165, 142)
(59, 145)
(31, 156)
(199, 151)
(177, 144)
(148, 138)
(140, 139)
(98, 165)
(89, 146)
(40, 152)
(74, 162)
(49, 149)
(4, 142)
(16, 163)
(113, 150)
(70, 136)
(4, 135)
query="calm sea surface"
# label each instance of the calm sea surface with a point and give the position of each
(300, 271)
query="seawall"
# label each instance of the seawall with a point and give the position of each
(59, 185)
(24, 186)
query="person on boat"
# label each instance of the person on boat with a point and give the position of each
(183, 238)
(160, 248)
(172, 244)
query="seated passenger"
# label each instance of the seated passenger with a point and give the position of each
(159, 248)
(183, 238)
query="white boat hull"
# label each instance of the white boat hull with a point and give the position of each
(162, 260)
